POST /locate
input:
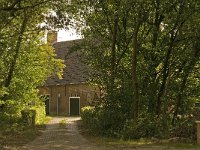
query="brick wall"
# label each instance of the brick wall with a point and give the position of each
(60, 94)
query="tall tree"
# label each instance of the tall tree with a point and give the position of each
(147, 50)
(23, 53)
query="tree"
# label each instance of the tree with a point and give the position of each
(25, 61)
(145, 53)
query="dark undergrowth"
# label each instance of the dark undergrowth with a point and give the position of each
(114, 142)
(112, 128)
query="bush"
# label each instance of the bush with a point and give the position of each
(102, 121)
(184, 128)
(87, 115)
(28, 117)
(10, 113)
(89, 118)
(35, 115)
(40, 114)
(145, 127)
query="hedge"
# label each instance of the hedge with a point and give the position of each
(33, 116)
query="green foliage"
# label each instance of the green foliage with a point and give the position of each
(185, 127)
(11, 113)
(166, 66)
(146, 126)
(102, 121)
(91, 119)
(10, 122)
(87, 115)
(40, 114)
(145, 55)
(25, 60)
(34, 115)
(28, 117)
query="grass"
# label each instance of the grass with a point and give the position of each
(185, 146)
(115, 142)
(15, 136)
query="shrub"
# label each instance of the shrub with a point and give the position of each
(184, 128)
(102, 121)
(87, 115)
(34, 115)
(28, 117)
(10, 112)
(40, 114)
(89, 118)
(110, 121)
(145, 127)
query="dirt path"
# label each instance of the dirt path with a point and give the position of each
(57, 137)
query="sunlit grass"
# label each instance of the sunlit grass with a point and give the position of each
(129, 142)
(63, 123)
(119, 142)
(47, 119)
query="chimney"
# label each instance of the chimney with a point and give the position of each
(52, 37)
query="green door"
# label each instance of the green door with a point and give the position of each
(74, 106)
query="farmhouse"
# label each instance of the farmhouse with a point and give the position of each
(66, 96)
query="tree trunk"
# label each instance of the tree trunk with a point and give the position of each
(16, 51)
(134, 73)
(158, 19)
(165, 74)
(187, 71)
(113, 54)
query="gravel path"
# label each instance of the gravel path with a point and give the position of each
(57, 137)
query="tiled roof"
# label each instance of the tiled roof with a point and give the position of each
(75, 71)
